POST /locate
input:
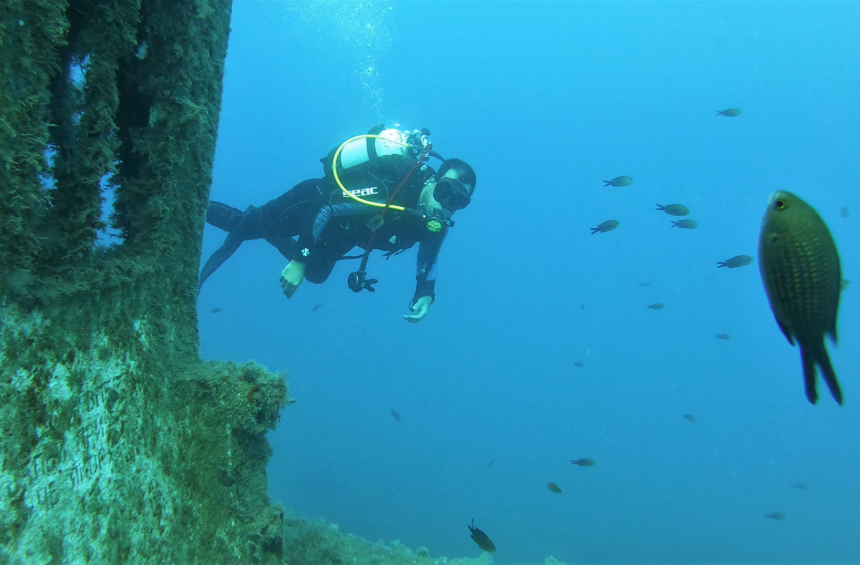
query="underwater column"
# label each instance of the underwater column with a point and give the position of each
(119, 444)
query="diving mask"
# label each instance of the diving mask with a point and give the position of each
(451, 194)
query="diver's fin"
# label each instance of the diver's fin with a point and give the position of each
(230, 245)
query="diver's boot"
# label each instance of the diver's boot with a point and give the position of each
(228, 217)
(224, 217)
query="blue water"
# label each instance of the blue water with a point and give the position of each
(546, 100)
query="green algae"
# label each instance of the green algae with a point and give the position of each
(119, 444)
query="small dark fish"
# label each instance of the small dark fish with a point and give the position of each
(723, 336)
(775, 516)
(606, 226)
(690, 418)
(801, 273)
(798, 486)
(843, 284)
(619, 181)
(316, 307)
(674, 209)
(553, 487)
(685, 224)
(579, 364)
(729, 112)
(216, 310)
(481, 538)
(844, 212)
(735, 262)
(656, 306)
(585, 462)
(645, 284)
(395, 415)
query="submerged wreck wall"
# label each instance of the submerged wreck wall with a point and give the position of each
(117, 443)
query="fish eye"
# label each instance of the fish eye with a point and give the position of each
(779, 204)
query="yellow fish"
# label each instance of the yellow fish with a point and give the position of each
(800, 269)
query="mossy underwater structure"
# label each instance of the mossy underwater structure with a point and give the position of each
(118, 443)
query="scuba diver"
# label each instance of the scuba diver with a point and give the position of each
(377, 193)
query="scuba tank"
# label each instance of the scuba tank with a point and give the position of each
(370, 166)
(361, 151)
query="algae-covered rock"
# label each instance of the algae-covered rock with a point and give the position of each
(119, 444)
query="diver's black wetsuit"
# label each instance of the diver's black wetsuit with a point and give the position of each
(328, 225)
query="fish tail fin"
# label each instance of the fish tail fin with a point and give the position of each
(594, 230)
(785, 331)
(808, 361)
(674, 224)
(823, 360)
(722, 264)
(718, 113)
(832, 334)
(660, 207)
(607, 182)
